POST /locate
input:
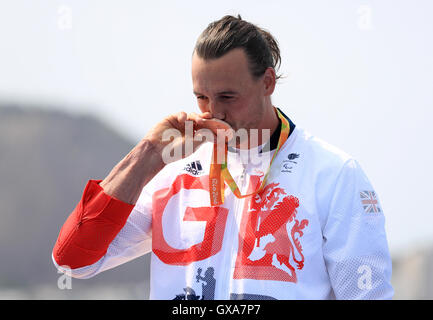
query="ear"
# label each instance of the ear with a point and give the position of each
(269, 81)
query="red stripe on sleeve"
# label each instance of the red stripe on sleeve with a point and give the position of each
(90, 228)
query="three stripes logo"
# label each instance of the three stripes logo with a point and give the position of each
(369, 202)
(194, 168)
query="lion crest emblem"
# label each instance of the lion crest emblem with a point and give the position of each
(270, 246)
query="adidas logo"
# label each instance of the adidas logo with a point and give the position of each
(194, 168)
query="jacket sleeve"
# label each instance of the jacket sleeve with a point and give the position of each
(101, 233)
(354, 240)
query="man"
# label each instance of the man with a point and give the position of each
(303, 224)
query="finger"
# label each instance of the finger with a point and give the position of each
(196, 118)
(181, 117)
(206, 115)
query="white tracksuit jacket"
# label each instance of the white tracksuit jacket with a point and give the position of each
(315, 232)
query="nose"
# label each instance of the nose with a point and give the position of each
(216, 111)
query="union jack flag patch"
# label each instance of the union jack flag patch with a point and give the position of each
(369, 202)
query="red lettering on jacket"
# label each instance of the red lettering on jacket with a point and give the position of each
(215, 218)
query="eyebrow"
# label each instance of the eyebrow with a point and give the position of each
(219, 93)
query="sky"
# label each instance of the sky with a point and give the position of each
(358, 74)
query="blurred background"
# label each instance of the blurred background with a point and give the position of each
(82, 81)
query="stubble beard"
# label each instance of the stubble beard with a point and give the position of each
(253, 123)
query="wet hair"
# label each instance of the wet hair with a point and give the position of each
(230, 33)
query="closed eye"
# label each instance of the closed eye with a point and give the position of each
(226, 97)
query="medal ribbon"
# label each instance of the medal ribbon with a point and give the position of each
(219, 173)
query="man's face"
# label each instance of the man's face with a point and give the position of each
(226, 88)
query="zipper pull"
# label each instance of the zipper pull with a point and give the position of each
(243, 173)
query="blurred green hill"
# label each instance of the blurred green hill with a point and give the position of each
(46, 159)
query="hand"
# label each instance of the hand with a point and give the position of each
(173, 138)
